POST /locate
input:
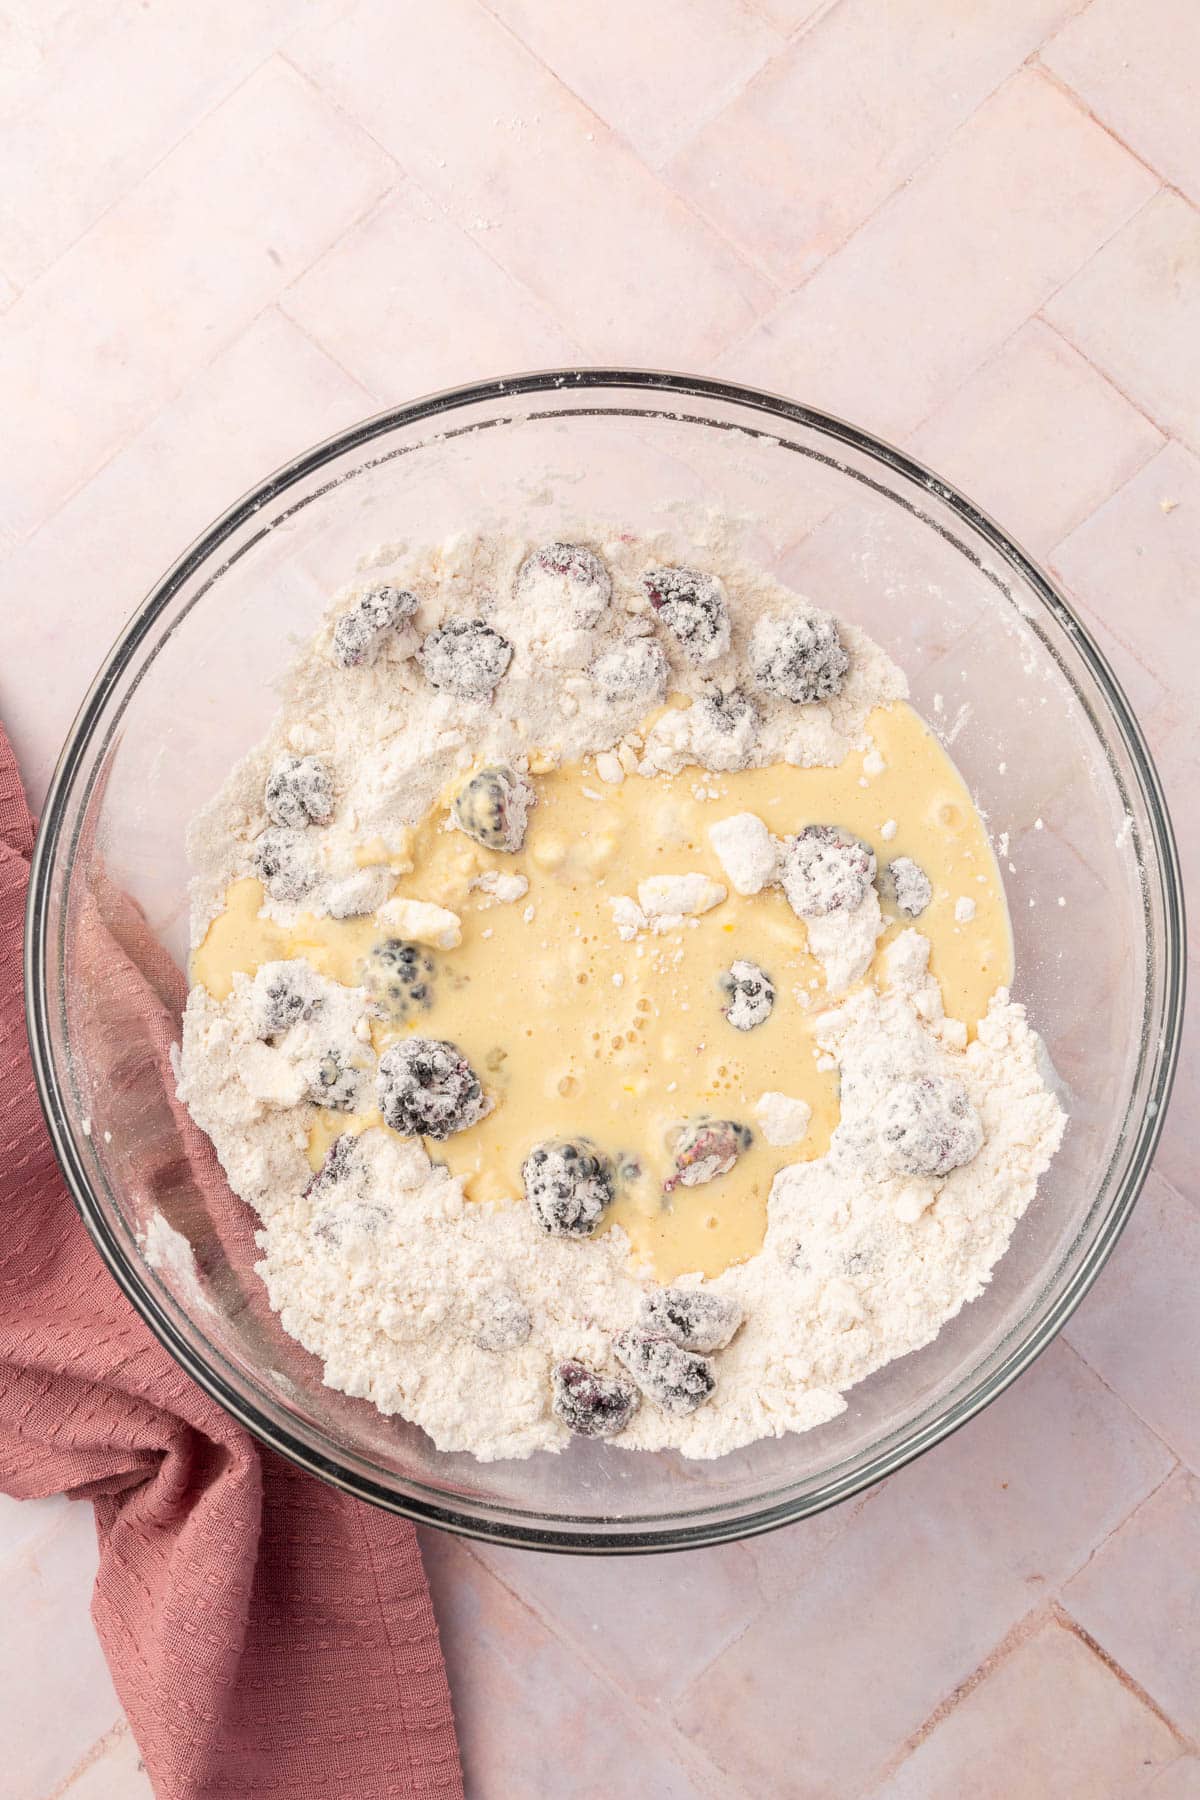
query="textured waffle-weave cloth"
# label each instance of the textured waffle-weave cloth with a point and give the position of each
(267, 1635)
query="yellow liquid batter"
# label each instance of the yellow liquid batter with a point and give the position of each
(577, 1033)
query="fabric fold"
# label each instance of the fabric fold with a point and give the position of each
(267, 1635)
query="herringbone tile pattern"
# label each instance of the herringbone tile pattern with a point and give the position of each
(226, 231)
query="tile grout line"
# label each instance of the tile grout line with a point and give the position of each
(150, 169)
(103, 1744)
(1091, 615)
(413, 181)
(1085, 107)
(322, 350)
(794, 35)
(745, 259)
(1037, 317)
(1125, 1520)
(380, 401)
(1069, 1623)
(926, 162)
(1139, 468)
(218, 349)
(1185, 1200)
(993, 356)
(1028, 65)
(654, 1720)
(1016, 1634)
(1181, 1461)
(1062, 333)
(854, 1511)
(1026, 1627)
(783, 42)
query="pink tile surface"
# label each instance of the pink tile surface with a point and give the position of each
(1129, 78)
(1074, 438)
(1051, 1718)
(1136, 561)
(632, 1623)
(1181, 1781)
(1135, 311)
(790, 16)
(528, 171)
(1151, 1280)
(981, 1511)
(227, 232)
(87, 354)
(693, 56)
(384, 329)
(930, 283)
(1139, 1599)
(246, 411)
(114, 1771)
(533, 1720)
(837, 122)
(199, 56)
(43, 1582)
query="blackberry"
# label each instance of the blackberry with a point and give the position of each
(693, 608)
(398, 976)
(677, 1380)
(568, 1185)
(927, 1126)
(299, 792)
(336, 1083)
(825, 870)
(335, 1171)
(493, 808)
(906, 882)
(282, 995)
(588, 1404)
(799, 656)
(693, 1318)
(359, 634)
(705, 1149)
(724, 727)
(570, 574)
(750, 995)
(427, 1088)
(284, 863)
(465, 657)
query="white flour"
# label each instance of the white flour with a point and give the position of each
(454, 1312)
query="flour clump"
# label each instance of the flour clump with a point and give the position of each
(543, 1009)
(568, 579)
(694, 610)
(928, 1126)
(825, 870)
(568, 1185)
(299, 792)
(285, 862)
(693, 1318)
(361, 632)
(799, 656)
(465, 657)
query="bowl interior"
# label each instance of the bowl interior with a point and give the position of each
(996, 662)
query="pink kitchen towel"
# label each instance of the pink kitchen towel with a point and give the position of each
(267, 1635)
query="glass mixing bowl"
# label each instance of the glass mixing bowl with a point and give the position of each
(997, 661)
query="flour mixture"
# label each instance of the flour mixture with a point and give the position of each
(600, 990)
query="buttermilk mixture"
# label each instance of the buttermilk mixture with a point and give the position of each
(600, 991)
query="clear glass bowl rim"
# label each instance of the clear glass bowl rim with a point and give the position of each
(51, 843)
